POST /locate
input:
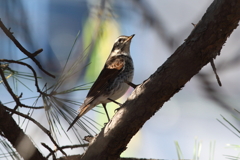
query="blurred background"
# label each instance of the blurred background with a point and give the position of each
(82, 32)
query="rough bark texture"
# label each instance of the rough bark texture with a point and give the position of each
(76, 157)
(203, 44)
(15, 135)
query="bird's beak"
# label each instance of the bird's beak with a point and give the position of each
(130, 37)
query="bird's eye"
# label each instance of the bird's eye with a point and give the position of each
(121, 40)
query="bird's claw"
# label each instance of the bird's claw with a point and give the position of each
(117, 109)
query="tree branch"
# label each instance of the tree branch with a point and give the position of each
(17, 99)
(50, 150)
(30, 67)
(17, 137)
(203, 44)
(10, 91)
(47, 132)
(21, 48)
(66, 147)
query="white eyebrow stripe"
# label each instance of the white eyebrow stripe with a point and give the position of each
(121, 37)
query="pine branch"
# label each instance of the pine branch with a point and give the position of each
(203, 44)
(15, 135)
(21, 48)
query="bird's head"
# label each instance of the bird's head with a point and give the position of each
(122, 45)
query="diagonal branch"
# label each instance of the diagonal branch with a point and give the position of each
(47, 132)
(17, 99)
(17, 137)
(215, 72)
(203, 44)
(65, 147)
(21, 48)
(50, 150)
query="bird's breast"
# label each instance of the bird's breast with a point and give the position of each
(119, 87)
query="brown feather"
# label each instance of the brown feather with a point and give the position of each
(113, 67)
(78, 116)
(105, 84)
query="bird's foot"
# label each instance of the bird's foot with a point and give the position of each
(117, 109)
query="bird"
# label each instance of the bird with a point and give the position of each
(114, 79)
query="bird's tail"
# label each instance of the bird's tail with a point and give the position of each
(83, 110)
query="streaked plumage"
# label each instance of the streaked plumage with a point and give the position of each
(111, 81)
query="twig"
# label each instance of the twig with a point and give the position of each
(39, 107)
(16, 99)
(14, 134)
(74, 146)
(39, 125)
(215, 71)
(30, 67)
(50, 150)
(19, 46)
(69, 146)
(29, 118)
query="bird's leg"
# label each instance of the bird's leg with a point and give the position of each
(116, 103)
(131, 84)
(104, 106)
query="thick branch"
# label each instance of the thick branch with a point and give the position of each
(40, 126)
(76, 157)
(203, 44)
(17, 137)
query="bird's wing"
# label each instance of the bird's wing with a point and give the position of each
(112, 68)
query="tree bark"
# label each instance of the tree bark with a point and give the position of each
(15, 135)
(203, 44)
